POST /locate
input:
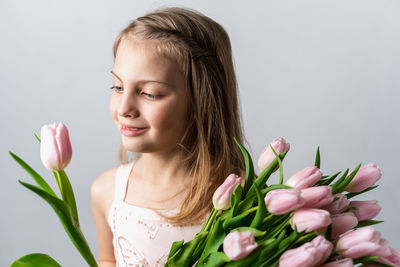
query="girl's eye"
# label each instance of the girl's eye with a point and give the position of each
(117, 88)
(150, 95)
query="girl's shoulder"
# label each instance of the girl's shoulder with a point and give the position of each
(102, 189)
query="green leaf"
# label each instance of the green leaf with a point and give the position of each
(367, 223)
(183, 256)
(38, 179)
(284, 245)
(254, 231)
(317, 159)
(270, 248)
(261, 210)
(64, 213)
(37, 137)
(235, 199)
(280, 165)
(35, 259)
(68, 193)
(351, 195)
(215, 259)
(239, 220)
(327, 181)
(249, 167)
(174, 248)
(214, 240)
(210, 216)
(266, 173)
(341, 179)
(340, 188)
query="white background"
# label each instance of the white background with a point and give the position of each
(322, 72)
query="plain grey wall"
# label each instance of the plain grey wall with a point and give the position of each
(315, 72)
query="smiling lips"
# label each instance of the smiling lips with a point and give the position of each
(128, 130)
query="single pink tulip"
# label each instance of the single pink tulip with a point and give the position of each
(281, 201)
(339, 205)
(364, 241)
(342, 223)
(346, 262)
(393, 259)
(324, 248)
(267, 156)
(307, 255)
(237, 245)
(366, 176)
(317, 196)
(222, 196)
(307, 177)
(55, 146)
(310, 219)
(365, 210)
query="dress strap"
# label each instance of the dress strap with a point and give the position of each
(121, 180)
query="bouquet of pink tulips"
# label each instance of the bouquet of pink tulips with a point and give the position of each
(307, 221)
(56, 153)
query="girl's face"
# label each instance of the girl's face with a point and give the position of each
(149, 94)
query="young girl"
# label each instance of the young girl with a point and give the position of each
(175, 102)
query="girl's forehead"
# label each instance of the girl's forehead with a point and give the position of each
(138, 59)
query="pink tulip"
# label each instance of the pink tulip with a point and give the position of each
(310, 219)
(222, 196)
(342, 223)
(317, 196)
(366, 176)
(307, 177)
(339, 205)
(237, 245)
(364, 241)
(346, 262)
(393, 259)
(365, 210)
(267, 156)
(307, 255)
(281, 201)
(55, 146)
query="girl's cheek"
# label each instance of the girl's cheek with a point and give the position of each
(113, 107)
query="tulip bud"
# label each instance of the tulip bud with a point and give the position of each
(222, 196)
(366, 176)
(237, 245)
(365, 210)
(267, 156)
(307, 177)
(342, 223)
(317, 196)
(392, 260)
(281, 201)
(55, 146)
(310, 219)
(346, 262)
(324, 248)
(362, 242)
(339, 205)
(309, 254)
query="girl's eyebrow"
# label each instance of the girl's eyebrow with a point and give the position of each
(143, 81)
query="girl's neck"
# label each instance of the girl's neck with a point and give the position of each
(161, 169)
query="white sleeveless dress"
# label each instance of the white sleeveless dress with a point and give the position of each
(141, 238)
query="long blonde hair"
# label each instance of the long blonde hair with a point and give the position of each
(202, 50)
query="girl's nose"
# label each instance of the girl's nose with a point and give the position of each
(127, 107)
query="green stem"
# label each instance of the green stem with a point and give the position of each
(250, 210)
(214, 213)
(60, 186)
(306, 236)
(268, 217)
